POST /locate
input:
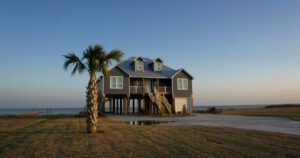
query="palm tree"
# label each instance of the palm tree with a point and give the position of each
(94, 61)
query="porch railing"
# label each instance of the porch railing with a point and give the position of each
(137, 89)
(144, 89)
(165, 89)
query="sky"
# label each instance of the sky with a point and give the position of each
(239, 52)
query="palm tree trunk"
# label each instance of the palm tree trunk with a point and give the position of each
(92, 104)
(102, 97)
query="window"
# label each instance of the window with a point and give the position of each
(182, 84)
(139, 65)
(116, 82)
(157, 66)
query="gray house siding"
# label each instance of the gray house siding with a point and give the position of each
(116, 72)
(182, 93)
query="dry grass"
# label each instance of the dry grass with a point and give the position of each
(289, 112)
(66, 137)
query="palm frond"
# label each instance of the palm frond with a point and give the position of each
(93, 56)
(94, 60)
(115, 55)
(104, 69)
(72, 59)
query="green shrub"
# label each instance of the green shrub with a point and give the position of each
(213, 110)
(183, 110)
(82, 113)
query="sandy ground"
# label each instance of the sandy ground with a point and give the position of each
(272, 124)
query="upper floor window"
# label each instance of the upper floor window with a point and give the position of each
(139, 65)
(116, 82)
(182, 84)
(157, 66)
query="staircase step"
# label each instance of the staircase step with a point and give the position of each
(160, 101)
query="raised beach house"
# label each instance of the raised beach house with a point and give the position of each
(141, 85)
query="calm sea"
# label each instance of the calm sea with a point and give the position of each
(77, 110)
(41, 110)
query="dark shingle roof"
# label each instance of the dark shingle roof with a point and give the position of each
(148, 72)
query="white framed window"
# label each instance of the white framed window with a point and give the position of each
(157, 66)
(182, 84)
(139, 65)
(116, 82)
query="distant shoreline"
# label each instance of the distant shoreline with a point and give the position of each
(76, 110)
(42, 111)
(223, 107)
(244, 105)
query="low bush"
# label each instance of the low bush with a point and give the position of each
(183, 110)
(82, 113)
(211, 110)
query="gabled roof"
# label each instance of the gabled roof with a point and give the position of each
(148, 72)
(136, 58)
(157, 59)
(183, 71)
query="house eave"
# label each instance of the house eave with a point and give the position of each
(180, 71)
(117, 66)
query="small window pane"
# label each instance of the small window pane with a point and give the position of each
(120, 85)
(179, 83)
(185, 84)
(118, 79)
(113, 79)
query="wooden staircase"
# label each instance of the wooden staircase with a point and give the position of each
(160, 101)
(167, 104)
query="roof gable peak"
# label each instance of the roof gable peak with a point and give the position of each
(157, 59)
(139, 58)
(182, 69)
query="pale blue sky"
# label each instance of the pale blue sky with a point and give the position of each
(239, 52)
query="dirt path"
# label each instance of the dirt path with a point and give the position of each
(272, 124)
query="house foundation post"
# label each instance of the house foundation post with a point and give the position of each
(121, 106)
(144, 104)
(128, 104)
(125, 105)
(114, 106)
(110, 105)
(117, 106)
(139, 106)
(133, 106)
(151, 108)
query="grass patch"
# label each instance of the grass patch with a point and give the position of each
(66, 137)
(289, 112)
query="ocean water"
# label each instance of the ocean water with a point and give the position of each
(41, 110)
(77, 110)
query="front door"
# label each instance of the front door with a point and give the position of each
(188, 102)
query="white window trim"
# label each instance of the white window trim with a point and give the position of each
(182, 81)
(156, 66)
(139, 67)
(110, 83)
